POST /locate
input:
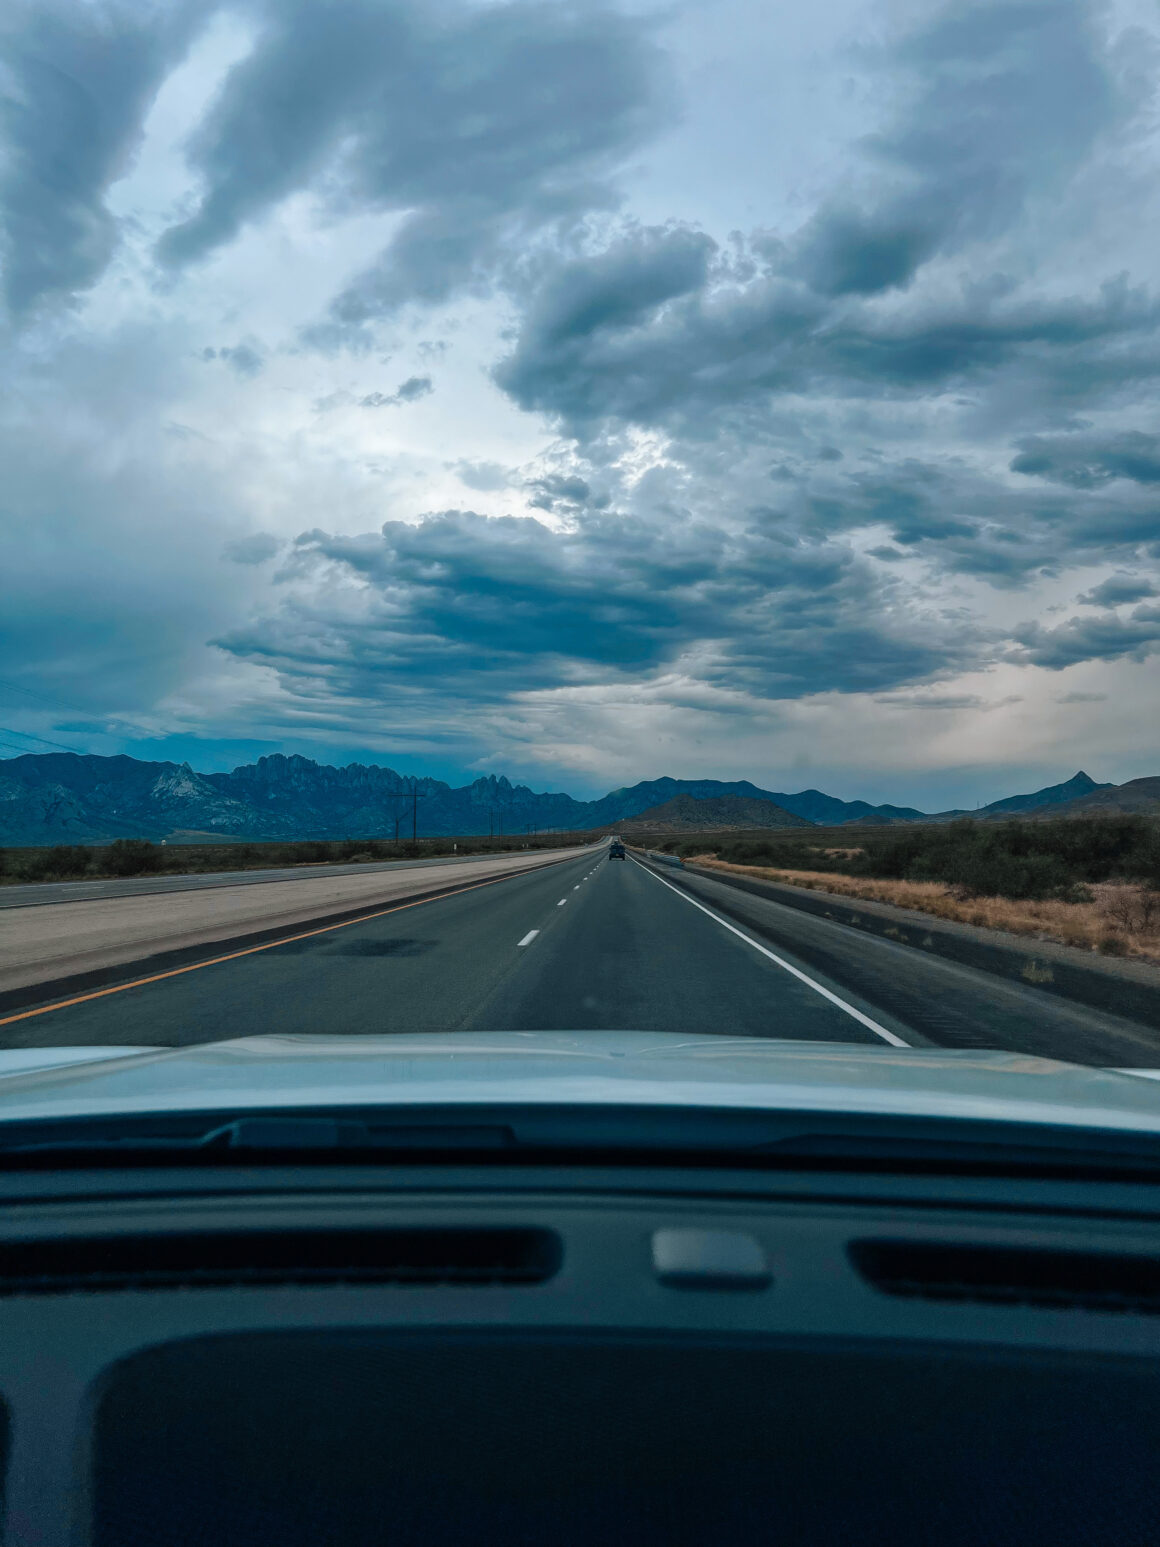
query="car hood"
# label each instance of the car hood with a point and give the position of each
(570, 1068)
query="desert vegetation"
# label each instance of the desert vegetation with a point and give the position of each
(1093, 884)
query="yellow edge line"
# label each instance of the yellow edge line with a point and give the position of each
(176, 972)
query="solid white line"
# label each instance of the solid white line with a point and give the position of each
(529, 937)
(881, 1031)
(562, 901)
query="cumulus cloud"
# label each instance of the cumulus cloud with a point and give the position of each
(409, 391)
(480, 126)
(242, 358)
(76, 84)
(1090, 461)
(998, 107)
(565, 493)
(1003, 102)
(1118, 590)
(650, 331)
(480, 604)
(1106, 638)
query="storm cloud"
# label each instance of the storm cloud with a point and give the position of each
(461, 599)
(448, 377)
(480, 126)
(77, 81)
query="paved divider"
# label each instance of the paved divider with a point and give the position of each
(1127, 988)
(70, 947)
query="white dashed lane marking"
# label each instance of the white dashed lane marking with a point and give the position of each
(529, 937)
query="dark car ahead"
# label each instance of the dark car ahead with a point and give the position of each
(616, 850)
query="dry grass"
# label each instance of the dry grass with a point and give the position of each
(1120, 920)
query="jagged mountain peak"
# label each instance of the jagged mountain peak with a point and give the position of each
(65, 797)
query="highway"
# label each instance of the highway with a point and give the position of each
(588, 943)
(67, 937)
(38, 894)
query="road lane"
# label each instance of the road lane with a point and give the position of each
(941, 1002)
(596, 944)
(627, 955)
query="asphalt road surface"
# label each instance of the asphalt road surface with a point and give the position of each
(592, 944)
(41, 949)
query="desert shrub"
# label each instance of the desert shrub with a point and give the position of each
(1137, 912)
(56, 864)
(131, 857)
(314, 852)
(1015, 859)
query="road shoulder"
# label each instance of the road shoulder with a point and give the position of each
(1119, 987)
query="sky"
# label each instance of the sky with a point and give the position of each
(585, 393)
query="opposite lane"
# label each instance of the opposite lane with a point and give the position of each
(43, 945)
(39, 894)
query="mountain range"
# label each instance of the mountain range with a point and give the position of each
(686, 813)
(64, 797)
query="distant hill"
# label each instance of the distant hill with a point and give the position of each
(828, 811)
(1054, 796)
(687, 813)
(813, 805)
(1078, 786)
(1138, 796)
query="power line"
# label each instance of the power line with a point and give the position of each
(64, 703)
(10, 730)
(47, 697)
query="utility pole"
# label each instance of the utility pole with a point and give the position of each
(415, 798)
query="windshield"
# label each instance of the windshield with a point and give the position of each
(572, 526)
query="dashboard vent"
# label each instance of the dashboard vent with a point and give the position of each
(1000, 1275)
(217, 1259)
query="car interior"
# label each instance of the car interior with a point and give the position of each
(248, 1348)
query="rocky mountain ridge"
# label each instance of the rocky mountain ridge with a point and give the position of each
(65, 797)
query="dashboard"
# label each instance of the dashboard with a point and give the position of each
(277, 1356)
